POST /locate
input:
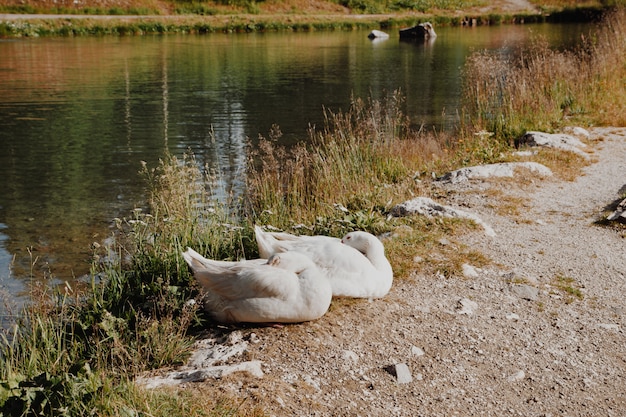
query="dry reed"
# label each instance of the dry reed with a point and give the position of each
(544, 89)
(362, 161)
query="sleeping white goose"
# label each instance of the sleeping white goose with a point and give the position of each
(286, 288)
(356, 265)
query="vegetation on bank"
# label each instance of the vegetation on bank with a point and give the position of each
(541, 87)
(76, 352)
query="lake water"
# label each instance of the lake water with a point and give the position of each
(77, 116)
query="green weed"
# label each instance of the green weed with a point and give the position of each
(568, 287)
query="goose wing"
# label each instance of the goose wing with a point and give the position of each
(242, 279)
(275, 242)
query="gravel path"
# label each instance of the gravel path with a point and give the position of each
(504, 340)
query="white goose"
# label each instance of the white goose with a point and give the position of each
(356, 265)
(286, 288)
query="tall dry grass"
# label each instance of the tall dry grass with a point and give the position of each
(347, 175)
(543, 89)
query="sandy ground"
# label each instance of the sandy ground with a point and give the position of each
(504, 340)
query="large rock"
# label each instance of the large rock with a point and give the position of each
(421, 31)
(504, 169)
(428, 207)
(553, 140)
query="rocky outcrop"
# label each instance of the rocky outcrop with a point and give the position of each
(554, 140)
(505, 169)
(428, 207)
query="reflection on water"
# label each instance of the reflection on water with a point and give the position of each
(79, 115)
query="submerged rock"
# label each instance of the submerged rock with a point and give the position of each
(377, 34)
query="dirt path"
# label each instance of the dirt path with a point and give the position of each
(516, 5)
(509, 341)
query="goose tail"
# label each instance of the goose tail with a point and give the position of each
(268, 244)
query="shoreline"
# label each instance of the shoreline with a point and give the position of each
(37, 25)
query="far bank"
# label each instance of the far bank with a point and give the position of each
(36, 25)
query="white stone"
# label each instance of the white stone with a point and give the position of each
(469, 271)
(466, 306)
(403, 373)
(620, 212)
(308, 379)
(415, 351)
(525, 291)
(377, 34)
(609, 326)
(554, 140)
(349, 355)
(211, 372)
(517, 376)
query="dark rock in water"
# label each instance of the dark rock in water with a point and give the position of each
(421, 31)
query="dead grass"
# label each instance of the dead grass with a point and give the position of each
(505, 204)
(564, 165)
(199, 401)
(428, 246)
(545, 89)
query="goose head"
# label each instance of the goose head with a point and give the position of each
(362, 241)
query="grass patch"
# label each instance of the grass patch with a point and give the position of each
(113, 11)
(423, 245)
(261, 16)
(504, 204)
(568, 287)
(564, 165)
